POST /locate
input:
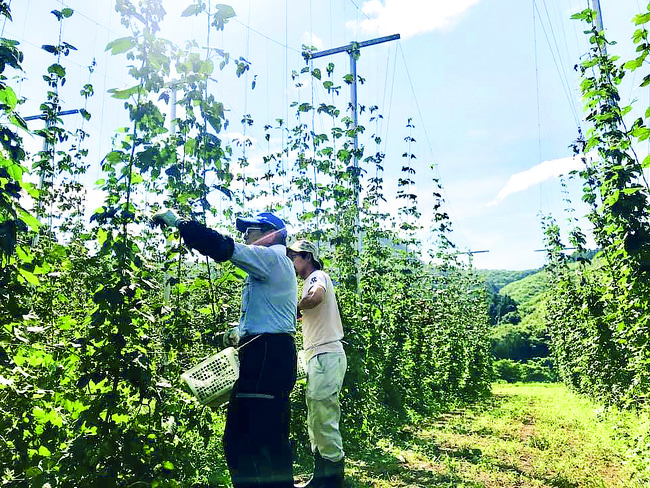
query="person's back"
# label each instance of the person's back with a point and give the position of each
(269, 296)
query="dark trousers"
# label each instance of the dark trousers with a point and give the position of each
(256, 438)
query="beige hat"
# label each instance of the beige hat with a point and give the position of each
(307, 246)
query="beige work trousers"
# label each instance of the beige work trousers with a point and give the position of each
(325, 373)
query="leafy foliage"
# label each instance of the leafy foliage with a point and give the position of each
(599, 315)
(97, 328)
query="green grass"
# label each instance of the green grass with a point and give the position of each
(525, 435)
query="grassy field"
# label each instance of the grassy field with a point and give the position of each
(527, 435)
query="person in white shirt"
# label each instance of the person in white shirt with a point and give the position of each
(322, 332)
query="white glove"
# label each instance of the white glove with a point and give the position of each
(165, 218)
(231, 337)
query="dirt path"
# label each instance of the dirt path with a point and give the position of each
(523, 436)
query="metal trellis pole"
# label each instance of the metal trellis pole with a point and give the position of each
(353, 51)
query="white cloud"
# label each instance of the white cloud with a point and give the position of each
(311, 39)
(411, 17)
(537, 174)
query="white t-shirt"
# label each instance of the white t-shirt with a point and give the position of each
(322, 330)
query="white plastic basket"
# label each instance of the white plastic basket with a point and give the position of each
(302, 366)
(213, 377)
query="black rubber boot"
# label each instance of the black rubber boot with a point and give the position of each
(318, 477)
(333, 473)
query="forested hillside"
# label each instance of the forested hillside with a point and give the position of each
(496, 279)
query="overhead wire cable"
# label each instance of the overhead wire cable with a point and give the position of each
(574, 24)
(103, 107)
(331, 17)
(357, 7)
(383, 100)
(313, 109)
(265, 36)
(98, 24)
(565, 88)
(417, 105)
(204, 200)
(564, 36)
(51, 149)
(539, 122)
(285, 127)
(390, 102)
(20, 81)
(562, 70)
(426, 135)
(634, 73)
(246, 114)
(4, 23)
(268, 116)
(67, 61)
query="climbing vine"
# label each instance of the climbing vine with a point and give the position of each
(598, 316)
(97, 327)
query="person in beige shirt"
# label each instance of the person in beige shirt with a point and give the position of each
(322, 332)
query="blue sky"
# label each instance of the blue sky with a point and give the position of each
(489, 84)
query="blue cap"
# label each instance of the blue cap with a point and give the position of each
(264, 218)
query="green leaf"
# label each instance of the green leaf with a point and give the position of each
(44, 451)
(121, 45)
(57, 69)
(646, 162)
(8, 98)
(65, 322)
(207, 68)
(67, 12)
(29, 277)
(18, 121)
(25, 257)
(136, 178)
(641, 18)
(238, 274)
(168, 465)
(224, 12)
(120, 418)
(29, 219)
(633, 64)
(205, 310)
(316, 73)
(102, 235)
(192, 10)
(33, 472)
(124, 94)
(49, 48)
